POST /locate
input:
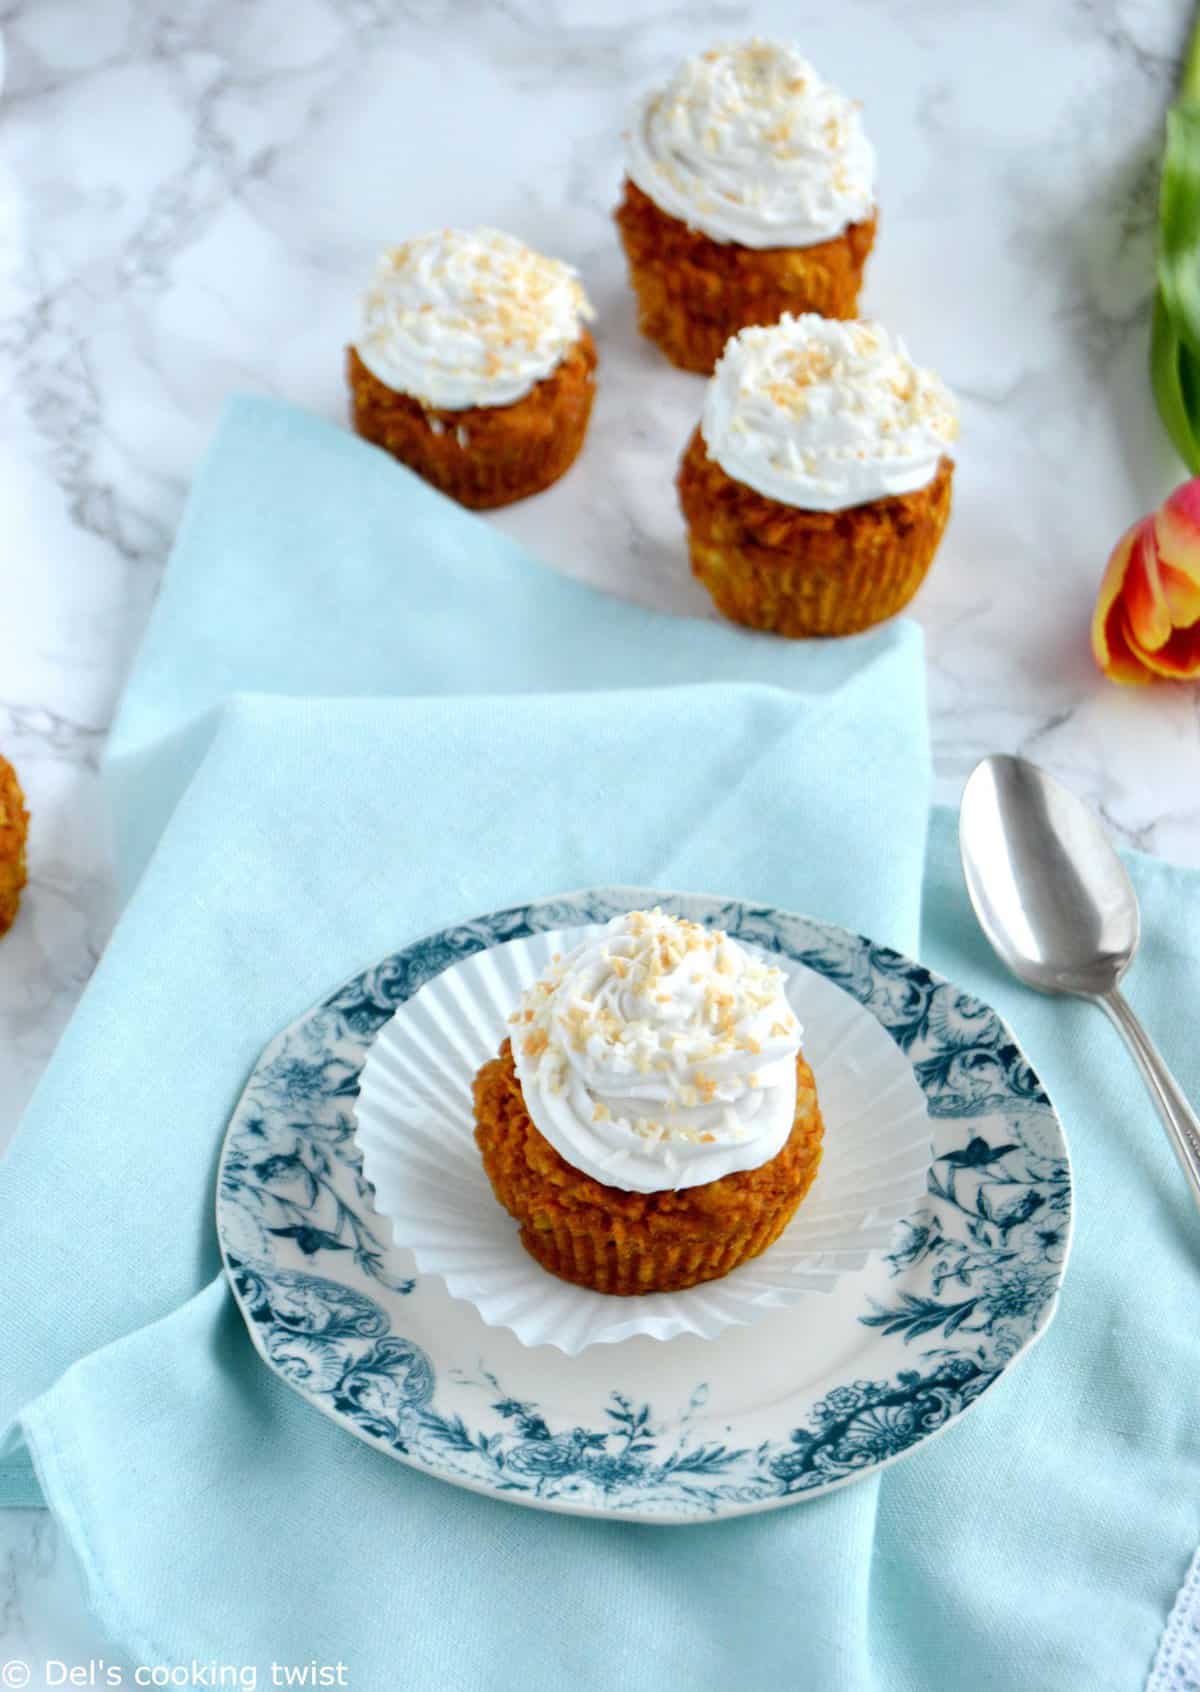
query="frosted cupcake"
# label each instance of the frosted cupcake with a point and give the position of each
(475, 367)
(817, 486)
(749, 192)
(651, 1123)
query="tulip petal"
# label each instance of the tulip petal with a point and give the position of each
(1145, 604)
(1125, 662)
(1177, 527)
(1179, 658)
(1181, 511)
(1181, 591)
(1147, 618)
(1110, 587)
(1110, 638)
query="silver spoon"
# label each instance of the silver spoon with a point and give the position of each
(1055, 901)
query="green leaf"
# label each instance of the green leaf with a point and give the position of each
(1179, 223)
(1189, 82)
(1175, 339)
(1175, 378)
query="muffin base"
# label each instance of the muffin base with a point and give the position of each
(800, 573)
(485, 455)
(14, 824)
(694, 293)
(628, 1243)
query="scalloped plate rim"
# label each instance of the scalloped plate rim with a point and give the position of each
(651, 1514)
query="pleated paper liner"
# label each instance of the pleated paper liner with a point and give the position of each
(416, 1133)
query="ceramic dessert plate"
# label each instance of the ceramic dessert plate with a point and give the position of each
(798, 1401)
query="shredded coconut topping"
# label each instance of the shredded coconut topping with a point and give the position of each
(747, 143)
(469, 317)
(662, 1054)
(823, 415)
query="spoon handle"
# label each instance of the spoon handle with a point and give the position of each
(1179, 1119)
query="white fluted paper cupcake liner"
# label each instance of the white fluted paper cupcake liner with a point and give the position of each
(416, 1131)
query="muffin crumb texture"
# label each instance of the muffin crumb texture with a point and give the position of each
(622, 1242)
(482, 456)
(800, 573)
(693, 293)
(14, 826)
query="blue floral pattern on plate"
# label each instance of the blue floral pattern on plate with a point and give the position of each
(971, 1278)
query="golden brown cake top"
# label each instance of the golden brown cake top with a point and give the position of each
(461, 318)
(658, 1054)
(822, 415)
(748, 143)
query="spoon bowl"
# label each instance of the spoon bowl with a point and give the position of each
(1049, 890)
(1055, 901)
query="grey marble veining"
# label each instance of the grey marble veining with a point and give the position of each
(44, 1621)
(191, 196)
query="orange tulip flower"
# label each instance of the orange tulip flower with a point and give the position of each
(1147, 618)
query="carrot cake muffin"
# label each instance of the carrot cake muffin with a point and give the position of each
(817, 485)
(651, 1122)
(474, 366)
(14, 823)
(749, 192)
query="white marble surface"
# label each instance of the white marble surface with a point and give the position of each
(191, 194)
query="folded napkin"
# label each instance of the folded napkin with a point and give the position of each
(297, 741)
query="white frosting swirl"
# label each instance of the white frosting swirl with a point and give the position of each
(469, 317)
(747, 143)
(659, 1055)
(822, 415)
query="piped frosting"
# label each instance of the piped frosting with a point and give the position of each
(659, 1055)
(748, 143)
(822, 415)
(461, 318)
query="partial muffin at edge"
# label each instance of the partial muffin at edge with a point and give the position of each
(14, 826)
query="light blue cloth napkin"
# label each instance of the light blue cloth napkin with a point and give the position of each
(1038, 1544)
